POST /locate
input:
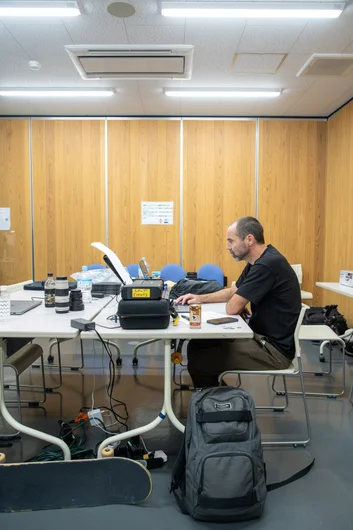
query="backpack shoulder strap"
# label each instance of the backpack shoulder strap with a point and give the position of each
(293, 478)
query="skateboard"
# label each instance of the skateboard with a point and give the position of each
(72, 484)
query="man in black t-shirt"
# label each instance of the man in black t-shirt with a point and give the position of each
(271, 286)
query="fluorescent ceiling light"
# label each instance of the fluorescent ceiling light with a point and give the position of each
(258, 9)
(39, 8)
(41, 93)
(222, 93)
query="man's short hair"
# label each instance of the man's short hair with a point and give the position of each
(250, 225)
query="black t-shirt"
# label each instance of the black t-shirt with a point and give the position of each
(272, 287)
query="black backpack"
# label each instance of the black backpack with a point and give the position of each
(220, 474)
(198, 286)
(328, 315)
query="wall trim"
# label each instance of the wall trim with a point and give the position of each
(339, 108)
(31, 196)
(181, 191)
(257, 149)
(159, 117)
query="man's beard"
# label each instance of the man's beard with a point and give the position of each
(240, 257)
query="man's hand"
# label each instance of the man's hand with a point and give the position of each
(189, 299)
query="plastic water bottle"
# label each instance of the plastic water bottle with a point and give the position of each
(4, 304)
(147, 266)
(141, 274)
(49, 291)
(84, 284)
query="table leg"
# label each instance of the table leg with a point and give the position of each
(18, 426)
(168, 389)
(167, 409)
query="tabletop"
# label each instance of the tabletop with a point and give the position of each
(336, 288)
(238, 329)
(45, 322)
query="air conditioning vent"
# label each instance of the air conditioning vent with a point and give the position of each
(132, 62)
(338, 64)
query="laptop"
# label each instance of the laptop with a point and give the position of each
(19, 307)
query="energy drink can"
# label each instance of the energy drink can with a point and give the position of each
(195, 315)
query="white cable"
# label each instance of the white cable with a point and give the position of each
(94, 377)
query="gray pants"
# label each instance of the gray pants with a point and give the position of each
(209, 358)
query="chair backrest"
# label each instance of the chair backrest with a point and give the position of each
(133, 270)
(297, 329)
(172, 272)
(211, 272)
(95, 266)
(298, 271)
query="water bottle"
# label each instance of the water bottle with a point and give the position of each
(84, 284)
(147, 266)
(4, 304)
(49, 291)
(147, 272)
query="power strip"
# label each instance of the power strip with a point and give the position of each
(96, 418)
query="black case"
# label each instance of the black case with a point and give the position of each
(143, 290)
(144, 314)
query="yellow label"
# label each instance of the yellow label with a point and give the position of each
(141, 293)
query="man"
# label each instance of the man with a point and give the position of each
(270, 284)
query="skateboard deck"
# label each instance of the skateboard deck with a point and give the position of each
(72, 484)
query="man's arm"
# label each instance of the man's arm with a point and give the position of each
(219, 296)
(236, 305)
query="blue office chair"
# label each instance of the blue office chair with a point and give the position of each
(173, 272)
(95, 266)
(133, 270)
(211, 272)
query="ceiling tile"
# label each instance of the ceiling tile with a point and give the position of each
(268, 39)
(215, 45)
(326, 36)
(260, 63)
(155, 34)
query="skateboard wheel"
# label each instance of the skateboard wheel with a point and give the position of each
(107, 452)
(2, 458)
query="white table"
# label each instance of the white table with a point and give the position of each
(40, 322)
(235, 330)
(345, 291)
(336, 288)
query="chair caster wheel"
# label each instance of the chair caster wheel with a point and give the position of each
(50, 359)
(299, 445)
(135, 362)
(119, 361)
(280, 394)
(278, 410)
(322, 358)
(331, 397)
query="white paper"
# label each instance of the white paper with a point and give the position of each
(5, 219)
(125, 276)
(157, 213)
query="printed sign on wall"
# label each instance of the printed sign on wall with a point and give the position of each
(157, 213)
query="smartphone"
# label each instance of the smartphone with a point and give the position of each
(222, 320)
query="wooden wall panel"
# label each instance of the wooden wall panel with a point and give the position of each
(338, 220)
(143, 165)
(68, 188)
(15, 244)
(291, 191)
(219, 186)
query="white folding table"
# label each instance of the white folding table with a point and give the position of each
(345, 291)
(336, 288)
(235, 330)
(40, 322)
